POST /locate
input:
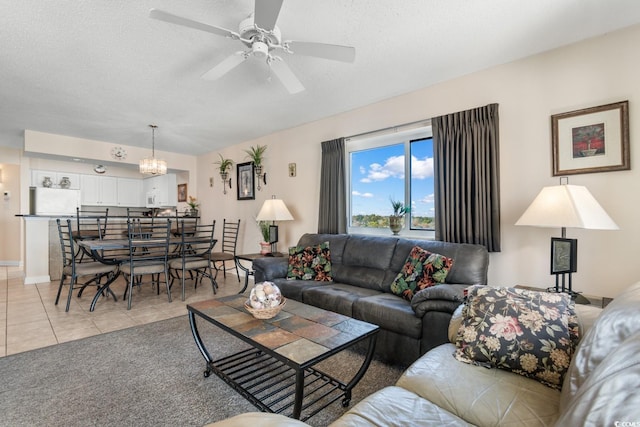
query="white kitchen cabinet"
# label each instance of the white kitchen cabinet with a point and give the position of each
(37, 177)
(99, 190)
(161, 191)
(130, 192)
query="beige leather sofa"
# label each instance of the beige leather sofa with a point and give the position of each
(600, 388)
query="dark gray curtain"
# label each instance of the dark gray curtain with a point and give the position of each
(332, 218)
(467, 174)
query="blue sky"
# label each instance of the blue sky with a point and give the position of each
(377, 174)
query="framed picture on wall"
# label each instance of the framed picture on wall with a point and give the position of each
(564, 255)
(591, 140)
(182, 192)
(245, 180)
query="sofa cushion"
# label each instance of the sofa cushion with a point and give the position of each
(470, 266)
(422, 269)
(390, 313)
(310, 263)
(527, 332)
(395, 406)
(608, 397)
(480, 396)
(365, 260)
(338, 297)
(618, 321)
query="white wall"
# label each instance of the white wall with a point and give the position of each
(529, 91)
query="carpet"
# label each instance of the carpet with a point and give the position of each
(150, 375)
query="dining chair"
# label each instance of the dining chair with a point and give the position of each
(86, 222)
(229, 242)
(148, 243)
(196, 244)
(87, 225)
(73, 268)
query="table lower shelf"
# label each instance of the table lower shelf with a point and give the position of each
(270, 384)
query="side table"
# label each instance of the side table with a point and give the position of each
(584, 299)
(248, 270)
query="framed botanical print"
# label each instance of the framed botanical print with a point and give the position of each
(182, 192)
(245, 180)
(564, 255)
(591, 140)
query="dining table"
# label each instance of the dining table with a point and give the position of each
(116, 252)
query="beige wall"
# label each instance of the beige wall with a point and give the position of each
(529, 91)
(10, 233)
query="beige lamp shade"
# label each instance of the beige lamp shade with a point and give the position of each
(274, 210)
(570, 206)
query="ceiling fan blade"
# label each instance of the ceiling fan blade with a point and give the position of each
(322, 50)
(225, 66)
(266, 13)
(178, 20)
(286, 76)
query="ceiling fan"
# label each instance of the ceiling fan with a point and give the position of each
(263, 41)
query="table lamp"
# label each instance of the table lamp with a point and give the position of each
(274, 210)
(566, 206)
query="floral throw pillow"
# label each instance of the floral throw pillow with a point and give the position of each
(421, 270)
(310, 263)
(530, 333)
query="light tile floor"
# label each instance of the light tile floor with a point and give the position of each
(29, 319)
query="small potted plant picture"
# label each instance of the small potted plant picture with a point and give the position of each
(193, 204)
(395, 219)
(265, 246)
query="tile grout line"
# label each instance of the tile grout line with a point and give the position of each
(53, 331)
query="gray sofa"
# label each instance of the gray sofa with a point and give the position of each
(363, 268)
(600, 387)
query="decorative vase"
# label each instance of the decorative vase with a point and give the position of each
(65, 182)
(46, 182)
(265, 248)
(395, 224)
(193, 212)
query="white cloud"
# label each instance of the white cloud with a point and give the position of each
(421, 168)
(359, 194)
(393, 168)
(428, 199)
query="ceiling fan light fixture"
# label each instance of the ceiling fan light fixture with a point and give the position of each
(260, 49)
(153, 166)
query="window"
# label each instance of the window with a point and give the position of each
(393, 164)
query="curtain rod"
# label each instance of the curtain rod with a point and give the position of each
(396, 128)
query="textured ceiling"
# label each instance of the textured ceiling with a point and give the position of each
(103, 70)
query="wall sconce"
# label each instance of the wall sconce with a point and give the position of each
(262, 176)
(225, 178)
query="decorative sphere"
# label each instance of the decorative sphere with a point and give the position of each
(265, 295)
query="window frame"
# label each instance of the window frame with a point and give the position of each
(392, 136)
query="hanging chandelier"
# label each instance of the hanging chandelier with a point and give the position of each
(153, 166)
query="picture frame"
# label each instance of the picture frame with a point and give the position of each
(564, 255)
(182, 192)
(591, 140)
(245, 181)
(273, 234)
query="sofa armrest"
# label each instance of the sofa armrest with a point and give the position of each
(443, 297)
(270, 268)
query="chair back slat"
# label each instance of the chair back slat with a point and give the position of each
(148, 240)
(86, 222)
(196, 241)
(230, 236)
(67, 247)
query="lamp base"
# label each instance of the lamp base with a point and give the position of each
(577, 297)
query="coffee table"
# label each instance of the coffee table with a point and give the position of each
(276, 372)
